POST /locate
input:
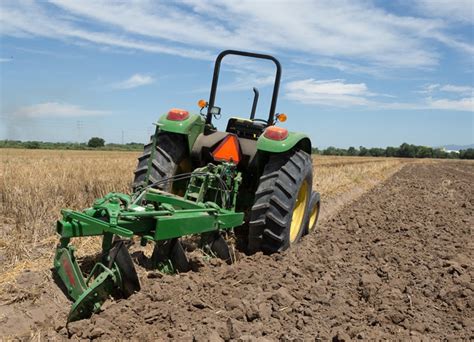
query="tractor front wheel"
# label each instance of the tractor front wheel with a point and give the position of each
(279, 215)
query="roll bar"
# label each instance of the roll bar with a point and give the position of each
(215, 80)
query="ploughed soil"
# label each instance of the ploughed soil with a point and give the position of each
(397, 263)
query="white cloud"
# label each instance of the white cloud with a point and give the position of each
(449, 88)
(338, 93)
(452, 10)
(334, 93)
(345, 67)
(428, 88)
(26, 19)
(5, 60)
(458, 89)
(56, 110)
(353, 30)
(134, 81)
(464, 104)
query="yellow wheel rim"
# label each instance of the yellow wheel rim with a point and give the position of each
(314, 215)
(298, 212)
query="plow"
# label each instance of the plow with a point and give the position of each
(253, 180)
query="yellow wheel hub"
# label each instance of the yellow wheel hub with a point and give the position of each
(298, 212)
(313, 216)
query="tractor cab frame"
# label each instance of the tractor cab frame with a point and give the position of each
(251, 128)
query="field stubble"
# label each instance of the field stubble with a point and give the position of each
(36, 184)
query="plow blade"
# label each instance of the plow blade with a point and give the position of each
(118, 277)
(94, 296)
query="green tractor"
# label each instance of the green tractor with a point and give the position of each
(254, 179)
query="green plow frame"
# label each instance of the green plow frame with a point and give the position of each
(150, 214)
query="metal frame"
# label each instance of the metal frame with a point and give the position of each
(208, 205)
(215, 80)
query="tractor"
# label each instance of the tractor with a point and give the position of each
(254, 179)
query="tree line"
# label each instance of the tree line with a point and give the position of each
(93, 144)
(403, 151)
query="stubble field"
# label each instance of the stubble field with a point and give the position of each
(349, 278)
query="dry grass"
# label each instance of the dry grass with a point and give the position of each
(336, 175)
(36, 184)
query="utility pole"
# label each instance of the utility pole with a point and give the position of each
(122, 137)
(79, 127)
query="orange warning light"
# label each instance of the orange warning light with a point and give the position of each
(202, 104)
(228, 150)
(282, 117)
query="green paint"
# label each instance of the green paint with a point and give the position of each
(273, 146)
(96, 293)
(191, 127)
(153, 215)
(68, 270)
(209, 204)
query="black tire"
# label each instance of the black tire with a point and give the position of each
(169, 155)
(314, 210)
(165, 161)
(284, 178)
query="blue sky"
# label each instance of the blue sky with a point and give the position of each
(372, 73)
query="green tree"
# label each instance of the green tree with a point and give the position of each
(95, 142)
(407, 151)
(391, 151)
(424, 152)
(439, 153)
(453, 155)
(32, 145)
(330, 151)
(352, 151)
(363, 151)
(377, 152)
(467, 154)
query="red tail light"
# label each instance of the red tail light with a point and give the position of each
(176, 114)
(276, 133)
(228, 150)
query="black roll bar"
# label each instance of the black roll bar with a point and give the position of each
(215, 80)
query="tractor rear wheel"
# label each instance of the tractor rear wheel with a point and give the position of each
(162, 162)
(165, 160)
(279, 214)
(314, 209)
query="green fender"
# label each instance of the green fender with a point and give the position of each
(191, 127)
(299, 140)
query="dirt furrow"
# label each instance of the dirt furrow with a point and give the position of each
(394, 264)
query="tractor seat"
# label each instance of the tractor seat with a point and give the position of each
(246, 129)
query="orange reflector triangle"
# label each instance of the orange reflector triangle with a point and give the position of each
(228, 150)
